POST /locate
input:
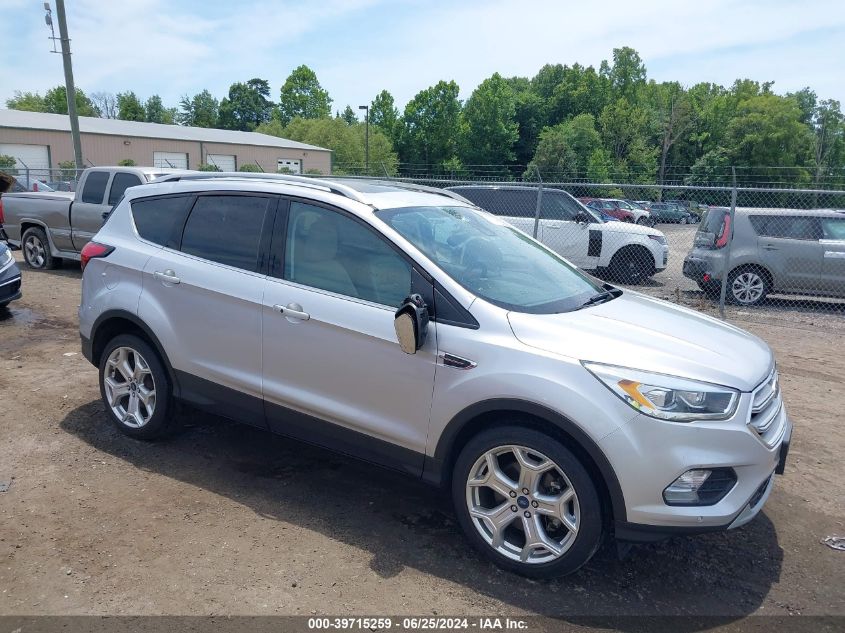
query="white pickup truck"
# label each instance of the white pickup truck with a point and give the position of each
(52, 226)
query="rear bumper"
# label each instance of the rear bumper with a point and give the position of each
(699, 270)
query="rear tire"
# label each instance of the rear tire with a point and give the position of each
(36, 250)
(747, 286)
(135, 388)
(631, 265)
(557, 525)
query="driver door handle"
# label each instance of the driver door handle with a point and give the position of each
(292, 311)
(168, 276)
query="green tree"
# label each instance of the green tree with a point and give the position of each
(345, 141)
(489, 128)
(199, 111)
(671, 119)
(55, 100)
(29, 101)
(303, 96)
(627, 75)
(828, 141)
(247, 106)
(530, 116)
(155, 112)
(430, 125)
(349, 116)
(385, 115)
(129, 107)
(106, 104)
(7, 162)
(580, 91)
(569, 149)
(250, 168)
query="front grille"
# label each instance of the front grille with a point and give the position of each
(767, 410)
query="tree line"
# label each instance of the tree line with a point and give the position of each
(611, 124)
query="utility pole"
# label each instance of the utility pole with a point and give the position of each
(367, 141)
(69, 87)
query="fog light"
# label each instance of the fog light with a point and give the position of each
(700, 487)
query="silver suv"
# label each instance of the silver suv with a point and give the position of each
(411, 329)
(773, 250)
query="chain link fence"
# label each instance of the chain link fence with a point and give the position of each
(771, 255)
(43, 178)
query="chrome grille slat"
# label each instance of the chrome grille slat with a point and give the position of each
(766, 410)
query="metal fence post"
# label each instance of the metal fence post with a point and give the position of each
(727, 268)
(539, 204)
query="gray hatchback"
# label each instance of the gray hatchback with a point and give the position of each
(784, 251)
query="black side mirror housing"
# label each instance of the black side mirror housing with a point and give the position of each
(411, 324)
(583, 218)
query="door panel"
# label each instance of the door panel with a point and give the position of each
(789, 248)
(330, 349)
(86, 211)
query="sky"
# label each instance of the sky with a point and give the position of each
(359, 47)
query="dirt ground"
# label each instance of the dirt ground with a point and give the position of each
(225, 519)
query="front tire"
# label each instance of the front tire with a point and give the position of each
(631, 265)
(557, 524)
(135, 388)
(36, 250)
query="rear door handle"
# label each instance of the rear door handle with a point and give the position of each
(549, 225)
(168, 276)
(292, 311)
(834, 254)
(770, 247)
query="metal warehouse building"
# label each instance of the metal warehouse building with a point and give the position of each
(41, 141)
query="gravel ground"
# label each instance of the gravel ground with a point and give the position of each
(225, 519)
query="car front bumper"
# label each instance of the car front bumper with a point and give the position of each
(649, 454)
(10, 284)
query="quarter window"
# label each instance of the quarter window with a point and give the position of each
(330, 251)
(793, 227)
(120, 183)
(226, 230)
(95, 187)
(160, 220)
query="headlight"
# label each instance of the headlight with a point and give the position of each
(667, 397)
(5, 258)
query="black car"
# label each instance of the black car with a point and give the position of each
(10, 277)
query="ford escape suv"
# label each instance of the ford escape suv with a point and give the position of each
(412, 329)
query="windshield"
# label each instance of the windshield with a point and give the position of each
(491, 259)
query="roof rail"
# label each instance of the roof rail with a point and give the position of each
(410, 186)
(304, 181)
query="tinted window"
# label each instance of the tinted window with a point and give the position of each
(787, 227)
(330, 251)
(226, 230)
(160, 220)
(119, 184)
(512, 203)
(95, 187)
(556, 206)
(834, 228)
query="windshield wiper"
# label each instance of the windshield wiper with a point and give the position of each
(600, 297)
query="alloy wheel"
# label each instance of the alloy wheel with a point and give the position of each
(748, 287)
(129, 387)
(34, 252)
(523, 504)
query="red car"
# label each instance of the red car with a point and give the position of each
(610, 207)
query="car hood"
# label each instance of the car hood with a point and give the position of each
(627, 227)
(637, 331)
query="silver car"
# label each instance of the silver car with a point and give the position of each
(414, 330)
(781, 251)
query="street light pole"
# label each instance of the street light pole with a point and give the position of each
(367, 137)
(69, 87)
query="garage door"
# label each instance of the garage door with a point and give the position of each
(32, 156)
(291, 164)
(224, 162)
(170, 160)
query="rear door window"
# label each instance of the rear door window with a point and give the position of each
(95, 187)
(833, 228)
(787, 227)
(160, 220)
(120, 183)
(226, 229)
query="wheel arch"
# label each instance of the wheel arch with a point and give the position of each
(114, 322)
(496, 412)
(29, 223)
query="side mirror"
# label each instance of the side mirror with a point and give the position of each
(411, 324)
(583, 218)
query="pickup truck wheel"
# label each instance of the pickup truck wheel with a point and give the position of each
(36, 250)
(526, 502)
(631, 265)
